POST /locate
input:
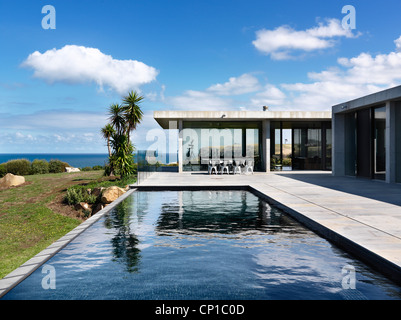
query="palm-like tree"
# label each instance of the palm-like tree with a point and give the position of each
(123, 119)
(107, 132)
(132, 111)
(117, 118)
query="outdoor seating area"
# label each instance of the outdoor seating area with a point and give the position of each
(239, 166)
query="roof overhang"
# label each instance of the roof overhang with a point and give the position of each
(392, 94)
(164, 117)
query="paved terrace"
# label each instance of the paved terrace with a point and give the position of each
(361, 216)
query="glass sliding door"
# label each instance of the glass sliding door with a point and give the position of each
(301, 145)
(327, 148)
(276, 156)
(398, 141)
(307, 149)
(379, 143)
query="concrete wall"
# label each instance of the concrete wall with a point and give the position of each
(391, 98)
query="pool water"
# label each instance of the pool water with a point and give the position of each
(202, 245)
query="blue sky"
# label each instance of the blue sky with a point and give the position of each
(56, 84)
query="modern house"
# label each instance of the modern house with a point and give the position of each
(367, 136)
(361, 137)
(270, 139)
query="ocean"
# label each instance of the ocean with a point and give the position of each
(77, 160)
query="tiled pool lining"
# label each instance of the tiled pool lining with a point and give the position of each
(22, 272)
(376, 261)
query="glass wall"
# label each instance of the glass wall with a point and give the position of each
(379, 143)
(307, 149)
(220, 141)
(301, 145)
(397, 128)
(329, 147)
(275, 145)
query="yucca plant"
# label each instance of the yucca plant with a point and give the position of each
(121, 159)
(123, 119)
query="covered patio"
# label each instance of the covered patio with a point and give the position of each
(253, 138)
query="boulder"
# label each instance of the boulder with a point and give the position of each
(10, 180)
(111, 193)
(71, 169)
(82, 206)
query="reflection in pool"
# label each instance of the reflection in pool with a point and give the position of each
(202, 245)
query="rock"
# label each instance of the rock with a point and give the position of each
(111, 193)
(10, 180)
(71, 169)
(82, 206)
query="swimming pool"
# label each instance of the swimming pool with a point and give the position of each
(199, 245)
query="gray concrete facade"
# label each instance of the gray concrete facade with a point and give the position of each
(391, 100)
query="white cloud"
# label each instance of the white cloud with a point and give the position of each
(350, 79)
(398, 43)
(245, 83)
(282, 41)
(78, 64)
(270, 96)
(217, 96)
(198, 100)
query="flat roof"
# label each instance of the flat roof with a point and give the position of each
(392, 94)
(163, 117)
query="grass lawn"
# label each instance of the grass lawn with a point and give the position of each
(32, 216)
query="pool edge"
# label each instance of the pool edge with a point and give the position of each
(19, 274)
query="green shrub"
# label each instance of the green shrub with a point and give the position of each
(39, 167)
(76, 195)
(73, 196)
(107, 170)
(3, 170)
(86, 169)
(57, 166)
(21, 167)
(98, 168)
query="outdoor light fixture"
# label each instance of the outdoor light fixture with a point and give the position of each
(344, 107)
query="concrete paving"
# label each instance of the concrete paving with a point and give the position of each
(361, 216)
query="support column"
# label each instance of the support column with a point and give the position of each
(266, 145)
(180, 136)
(338, 144)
